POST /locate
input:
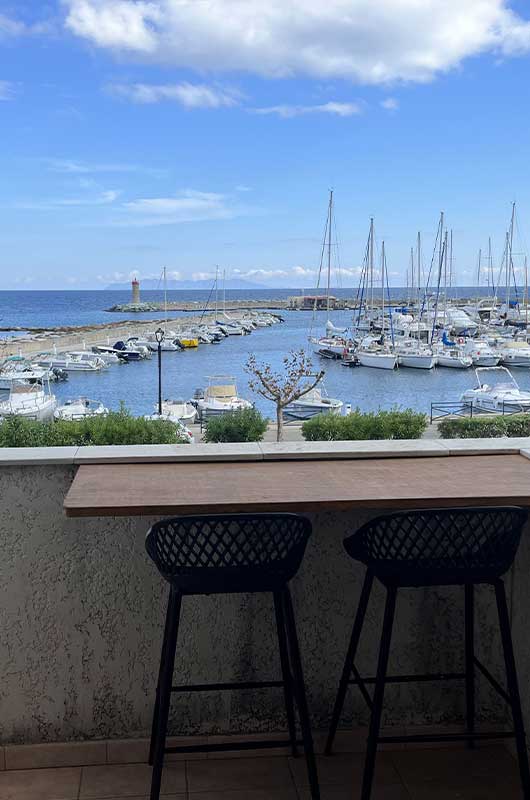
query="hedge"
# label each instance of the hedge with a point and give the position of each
(244, 425)
(117, 427)
(395, 424)
(489, 428)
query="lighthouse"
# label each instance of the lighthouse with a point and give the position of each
(135, 292)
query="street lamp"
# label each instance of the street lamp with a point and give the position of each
(159, 336)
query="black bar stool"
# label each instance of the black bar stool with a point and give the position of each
(435, 547)
(227, 554)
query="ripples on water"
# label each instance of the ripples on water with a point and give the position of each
(183, 372)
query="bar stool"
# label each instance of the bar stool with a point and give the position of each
(435, 547)
(236, 553)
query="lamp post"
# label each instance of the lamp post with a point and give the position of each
(159, 336)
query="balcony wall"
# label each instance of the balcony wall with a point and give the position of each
(82, 607)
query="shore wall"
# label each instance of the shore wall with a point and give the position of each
(82, 608)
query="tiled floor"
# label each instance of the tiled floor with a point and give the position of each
(489, 773)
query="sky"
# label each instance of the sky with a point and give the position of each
(141, 134)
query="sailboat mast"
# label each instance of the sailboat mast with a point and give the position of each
(526, 293)
(490, 264)
(451, 276)
(418, 270)
(371, 262)
(330, 218)
(479, 264)
(383, 288)
(507, 266)
(216, 293)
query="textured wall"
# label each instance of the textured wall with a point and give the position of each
(81, 611)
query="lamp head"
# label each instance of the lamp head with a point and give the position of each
(159, 335)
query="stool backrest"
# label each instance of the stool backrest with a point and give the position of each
(269, 543)
(451, 538)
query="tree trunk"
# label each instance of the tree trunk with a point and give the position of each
(279, 423)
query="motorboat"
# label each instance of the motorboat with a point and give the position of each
(219, 397)
(103, 350)
(89, 356)
(309, 405)
(514, 354)
(182, 431)
(150, 343)
(135, 352)
(80, 408)
(497, 391)
(18, 368)
(29, 401)
(482, 354)
(179, 410)
(70, 362)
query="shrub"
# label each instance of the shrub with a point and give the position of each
(118, 427)
(244, 425)
(489, 428)
(395, 424)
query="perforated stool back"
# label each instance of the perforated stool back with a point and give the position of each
(440, 546)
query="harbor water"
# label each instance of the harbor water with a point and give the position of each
(136, 384)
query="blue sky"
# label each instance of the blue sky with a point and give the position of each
(137, 135)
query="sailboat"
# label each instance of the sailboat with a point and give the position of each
(334, 342)
(412, 351)
(375, 352)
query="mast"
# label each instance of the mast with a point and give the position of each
(330, 217)
(418, 270)
(479, 264)
(383, 289)
(165, 299)
(451, 258)
(526, 293)
(445, 279)
(216, 293)
(490, 264)
(224, 293)
(509, 262)
(371, 262)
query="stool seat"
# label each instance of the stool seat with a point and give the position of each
(229, 553)
(430, 547)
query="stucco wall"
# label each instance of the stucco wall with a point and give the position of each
(81, 612)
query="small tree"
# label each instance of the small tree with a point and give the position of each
(286, 387)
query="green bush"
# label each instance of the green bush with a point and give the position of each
(395, 424)
(489, 428)
(118, 427)
(244, 425)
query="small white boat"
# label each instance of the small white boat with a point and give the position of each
(29, 401)
(481, 353)
(314, 402)
(80, 408)
(496, 390)
(514, 354)
(452, 356)
(179, 410)
(219, 397)
(21, 370)
(90, 357)
(184, 432)
(70, 362)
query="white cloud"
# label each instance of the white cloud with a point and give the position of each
(10, 27)
(104, 198)
(340, 109)
(73, 167)
(7, 90)
(187, 205)
(189, 95)
(390, 104)
(367, 41)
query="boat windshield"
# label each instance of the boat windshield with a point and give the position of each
(496, 378)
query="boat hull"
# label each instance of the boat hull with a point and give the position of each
(417, 361)
(378, 361)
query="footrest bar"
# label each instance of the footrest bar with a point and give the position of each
(493, 681)
(446, 737)
(219, 748)
(435, 676)
(220, 687)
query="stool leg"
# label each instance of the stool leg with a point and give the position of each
(300, 694)
(513, 687)
(157, 697)
(469, 625)
(379, 692)
(166, 680)
(350, 658)
(286, 670)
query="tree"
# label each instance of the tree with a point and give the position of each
(285, 387)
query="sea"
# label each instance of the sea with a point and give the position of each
(136, 384)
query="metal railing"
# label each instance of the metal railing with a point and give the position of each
(460, 408)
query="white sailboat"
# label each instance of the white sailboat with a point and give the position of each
(375, 353)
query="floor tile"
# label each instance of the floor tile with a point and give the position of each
(126, 780)
(444, 765)
(146, 797)
(136, 751)
(40, 784)
(61, 754)
(390, 792)
(346, 770)
(248, 794)
(245, 773)
(478, 789)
